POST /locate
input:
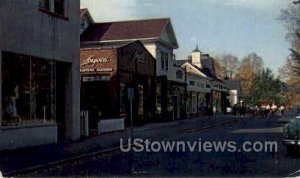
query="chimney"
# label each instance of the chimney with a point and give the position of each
(196, 57)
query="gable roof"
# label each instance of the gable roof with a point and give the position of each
(129, 30)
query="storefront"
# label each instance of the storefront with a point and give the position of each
(219, 97)
(106, 75)
(171, 96)
(198, 95)
(32, 94)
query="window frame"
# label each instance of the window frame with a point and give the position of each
(51, 10)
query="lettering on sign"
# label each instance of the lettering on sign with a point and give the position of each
(97, 70)
(92, 60)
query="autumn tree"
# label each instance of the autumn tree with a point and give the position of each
(250, 66)
(218, 68)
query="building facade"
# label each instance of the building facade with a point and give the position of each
(204, 89)
(40, 79)
(106, 76)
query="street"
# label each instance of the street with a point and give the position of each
(213, 163)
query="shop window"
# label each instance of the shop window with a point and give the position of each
(28, 90)
(123, 98)
(158, 97)
(140, 100)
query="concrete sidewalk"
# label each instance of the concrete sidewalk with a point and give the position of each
(30, 158)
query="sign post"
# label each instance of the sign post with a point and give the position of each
(130, 94)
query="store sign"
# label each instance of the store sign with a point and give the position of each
(92, 61)
(95, 78)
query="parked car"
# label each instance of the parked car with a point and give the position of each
(291, 135)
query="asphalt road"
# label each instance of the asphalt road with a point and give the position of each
(234, 161)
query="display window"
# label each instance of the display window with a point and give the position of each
(28, 90)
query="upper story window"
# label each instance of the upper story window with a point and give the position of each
(54, 7)
(192, 83)
(59, 7)
(167, 61)
(45, 4)
(164, 60)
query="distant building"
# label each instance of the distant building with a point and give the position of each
(235, 91)
(203, 85)
(39, 59)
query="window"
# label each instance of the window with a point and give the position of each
(53, 6)
(59, 6)
(192, 83)
(167, 60)
(162, 58)
(44, 4)
(28, 90)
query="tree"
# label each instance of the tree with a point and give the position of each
(291, 16)
(218, 68)
(266, 88)
(250, 66)
(230, 64)
(291, 70)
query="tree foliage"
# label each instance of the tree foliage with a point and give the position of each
(266, 88)
(291, 70)
(250, 66)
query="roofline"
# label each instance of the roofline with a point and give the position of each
(173, 31)
(203, 75)
(134, 20)
(124, 40)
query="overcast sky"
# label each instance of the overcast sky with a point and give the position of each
(238, 27)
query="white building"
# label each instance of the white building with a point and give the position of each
(39, 59)
(204, 88)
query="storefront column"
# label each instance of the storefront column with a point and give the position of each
(0, 88)
(72, 103)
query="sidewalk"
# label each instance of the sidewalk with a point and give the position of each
(30, 157)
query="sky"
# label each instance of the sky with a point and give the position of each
(218, 27)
